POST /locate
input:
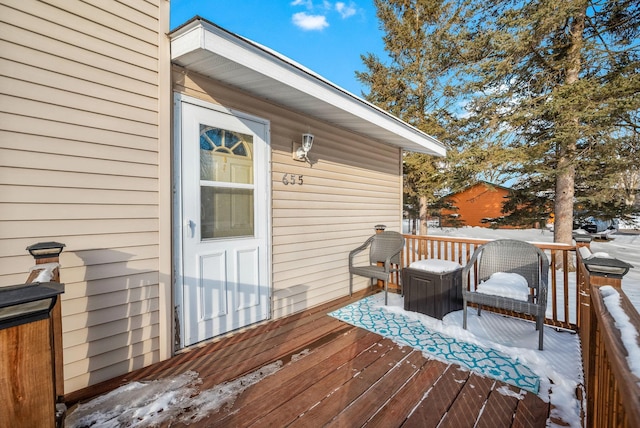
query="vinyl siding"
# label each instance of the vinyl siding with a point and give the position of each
(80, 158)
(354, 184)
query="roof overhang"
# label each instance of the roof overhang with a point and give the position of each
(209, 50)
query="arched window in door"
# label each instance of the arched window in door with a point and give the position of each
(226, 183)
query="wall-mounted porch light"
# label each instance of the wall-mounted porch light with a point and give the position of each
(300, 152)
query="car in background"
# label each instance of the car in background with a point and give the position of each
(596, 226)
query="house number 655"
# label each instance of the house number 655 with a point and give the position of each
(292, 179)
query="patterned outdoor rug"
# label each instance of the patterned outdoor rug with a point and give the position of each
(369, 314)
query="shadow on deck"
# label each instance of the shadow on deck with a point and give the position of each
(335, 374)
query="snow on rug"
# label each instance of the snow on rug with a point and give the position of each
(368, 313)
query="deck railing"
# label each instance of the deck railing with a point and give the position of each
(612, 390)
(563, 292)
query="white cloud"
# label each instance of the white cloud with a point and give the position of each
(307, 3)
(310, 22)
(344, 10)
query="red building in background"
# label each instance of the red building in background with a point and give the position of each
(477, 205)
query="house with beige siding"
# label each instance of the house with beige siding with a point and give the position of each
(164, 161)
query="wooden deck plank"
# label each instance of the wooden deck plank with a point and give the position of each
(305, 390)
(373, 364)
(215, 370)
(466, 408)
(251, 405)
(500, 408)
(253, 346)
(345, 347)
(438, 399)
(240, 340)
(336, 374)
(333, 403)
(531, 412)
(396, 411)
(367, 404)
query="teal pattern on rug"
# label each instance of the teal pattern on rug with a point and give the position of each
(368, 314)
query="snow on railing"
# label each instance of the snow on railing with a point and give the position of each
(608, 327)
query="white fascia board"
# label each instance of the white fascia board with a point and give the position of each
(200, 34)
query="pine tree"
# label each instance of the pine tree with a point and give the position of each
(549, 88)
(416, 87)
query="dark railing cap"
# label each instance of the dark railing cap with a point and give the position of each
(24, 303)
(45, 245)
(606, 266)
(582, 236)
(43, 250)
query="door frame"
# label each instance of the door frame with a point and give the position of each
(178, 220)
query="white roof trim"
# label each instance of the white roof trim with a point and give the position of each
(207, 49)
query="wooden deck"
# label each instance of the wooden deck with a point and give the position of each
(338, 375)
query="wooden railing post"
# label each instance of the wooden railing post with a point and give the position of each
(46, 253)
(611, 398)
(583, 315)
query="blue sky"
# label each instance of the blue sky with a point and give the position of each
(327, 37)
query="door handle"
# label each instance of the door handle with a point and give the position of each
(192, 227)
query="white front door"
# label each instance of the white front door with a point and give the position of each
(224, 221)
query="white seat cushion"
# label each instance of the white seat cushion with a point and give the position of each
(504, 284)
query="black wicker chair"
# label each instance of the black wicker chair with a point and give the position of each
(384, 248)
(509, 256)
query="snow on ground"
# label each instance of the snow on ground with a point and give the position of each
(158, 402)
(626, 247)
